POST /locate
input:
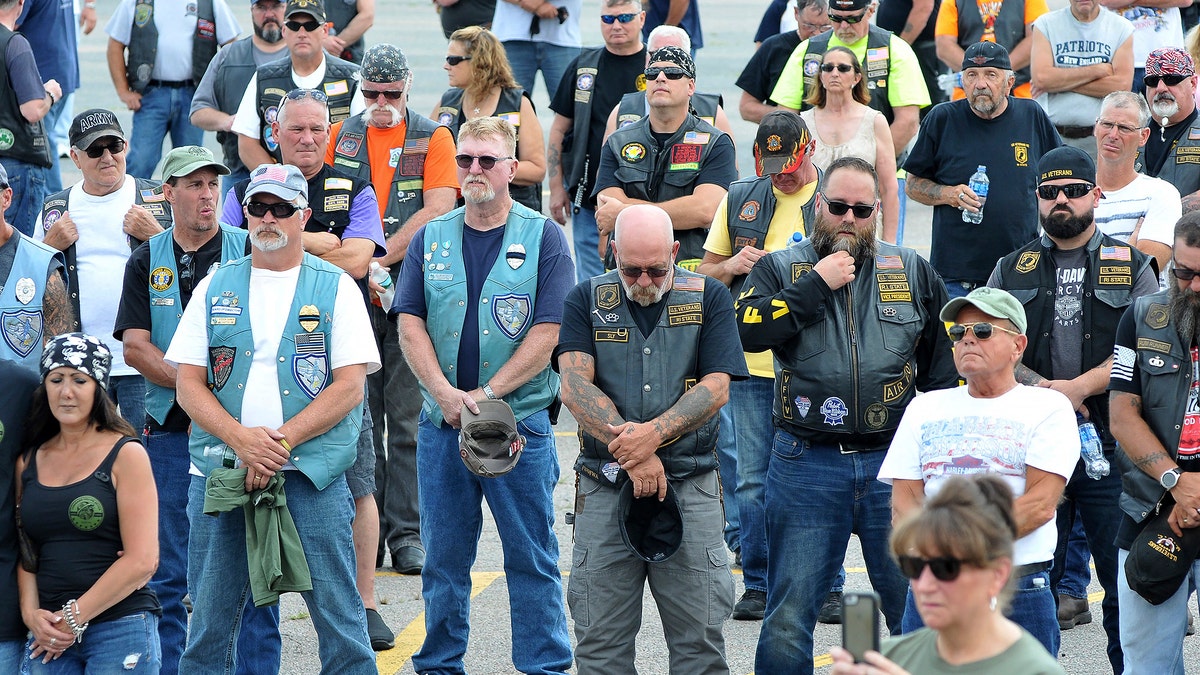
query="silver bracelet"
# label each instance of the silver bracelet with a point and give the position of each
(70, 612)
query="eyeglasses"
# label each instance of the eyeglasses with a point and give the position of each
(850, 19)
(1071, 190)
(861, 211)
(187, 269)
(454, 60)
(96, 150)
(637, 272)
(815, 27)
(841, 67)
(278, 209)
(299, 94)
(486, 162)
(389, 94)
(672, 72)
(982, 329)
(944, 569)
(1171, 80)
(308, 26)
(1183, 273)
(610, 19)
(1123, 129)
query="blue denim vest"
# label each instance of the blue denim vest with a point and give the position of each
(21, 302)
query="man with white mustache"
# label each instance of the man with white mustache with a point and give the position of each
(1173, 148)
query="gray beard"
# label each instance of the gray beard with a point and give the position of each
(1164, 108)
(826, 241)
(268, 245)
(1185, 313)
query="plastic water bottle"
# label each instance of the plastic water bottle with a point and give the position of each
(1094, 462)
(797, 237)
(381, 277)
(948, 82)
(979, 185)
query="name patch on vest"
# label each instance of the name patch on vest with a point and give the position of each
(1028, 262)
(893, 287)
(22, 330)
(1154, 345)
(685, 157)
(748, 213)
(681, 315)
(161, 278)
(336, 203)
(604, 335)
(1186, 155)
(228, 305)
(608, 296)
(1116, 275)
(220, 360)
(511, 312)
(892, 391)
(1157, 316)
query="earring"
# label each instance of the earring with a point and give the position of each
(992, 604)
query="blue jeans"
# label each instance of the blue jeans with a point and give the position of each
(727, 456)
(1152, 635)
(960, 289)
(129, 393)
(751, 400)
(217, 573)
(1032, 608)
(29, 186)
(586, 238)
(816, 497)
(1075, 573)
(164, 110)
(522, 505)
(527, 57)
(125, 645)
(12, 654)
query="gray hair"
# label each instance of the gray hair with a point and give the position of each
(665, 32)
(820, 5)
(609, 4)
(1128, 100)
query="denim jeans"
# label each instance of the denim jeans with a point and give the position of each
(1094, 503)
(29, 186)
(727, 456)
(1032, 608)
(61, 108)
(218, 574)
(751, 400)
(1152, 635)
(960, 289)
(816, 497)
(129, 393)
(586, 238)
(164, 110)
(125, 645)
(522, 505)
(1076, 575)
(12, 655)
(527, 57)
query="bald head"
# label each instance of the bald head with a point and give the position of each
(646, 224)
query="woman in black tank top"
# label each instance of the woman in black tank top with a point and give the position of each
(86, 494)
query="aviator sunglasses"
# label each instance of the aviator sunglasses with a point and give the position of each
(944, 569)
(278, 209)
(983, 330)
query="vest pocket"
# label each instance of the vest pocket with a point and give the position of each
(901, 326)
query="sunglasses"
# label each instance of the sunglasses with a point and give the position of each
(96, 151)
(309, 26)
(610, 19)
(861, 211)
(486, 162)
(301, 94)
(637, 272)
(1171, 80)
(851, 19)
(672, 73)
(983, 330)
(1183, 273)
(278, 209)
(944, 569)
(1071, 190)
(187, 270)
(389, 94)
(455, 60)
(841, 67)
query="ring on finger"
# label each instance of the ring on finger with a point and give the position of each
(53, 641)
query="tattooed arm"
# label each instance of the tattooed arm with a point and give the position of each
(635, 442)
(930, 193)
(57, 315)
(1137, 440)
(592, 409)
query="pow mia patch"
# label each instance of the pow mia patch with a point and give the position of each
(633, 152)
(220, 360)
(749, 211)
(161, 278)
(1028, 262)
(876, 415)
(800, 269)
(1157, 316)
(607, 296)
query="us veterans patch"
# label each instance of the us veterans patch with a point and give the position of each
(688, 313)
(1028, 262)
(749, 213)
(685, 157)
(608, 296)
(1157, 315)
(349, 144)
(337, 202)
(161, 278)
(1116, 275)
(220, 362)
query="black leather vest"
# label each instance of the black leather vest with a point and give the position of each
(633, 107)
(19, 139)
(749, 208)
(1182, 166)
(331, 193)
(143, 43)
(507, 108)
(1008, 29)
(237, 67)
(275, 81)
(874, 71)
(575, 172)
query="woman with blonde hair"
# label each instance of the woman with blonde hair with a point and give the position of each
(482, 85)
(844, 125)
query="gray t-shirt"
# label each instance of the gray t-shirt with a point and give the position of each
(1074, 44)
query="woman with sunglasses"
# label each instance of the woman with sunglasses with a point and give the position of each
(844, 125)
(957, 551)
(482, 85)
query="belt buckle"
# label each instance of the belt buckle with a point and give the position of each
(846, 451)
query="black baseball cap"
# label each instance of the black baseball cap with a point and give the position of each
(653, 530)
(92, 125)
(986, 55)
(780, 143)
(314, 8)
(1159, 561)
(489, 443)
(1066, 161)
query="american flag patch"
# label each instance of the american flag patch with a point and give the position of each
(274, 172)
(513, 118)
(1115, 253)
(1123, 360)
(419, 145)
(310, 343)
(888, 262)
(688, 284)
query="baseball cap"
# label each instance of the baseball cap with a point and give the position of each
(90, 125)
(489, 443)
(384, 63)
(315, 8)
(1066, 161)
(1158, 560)
(188, 158)
(282, 180)
(991, 301)
(848, 5)
(1169, 61)
(779, 145)
(986, 55)
(653, 530)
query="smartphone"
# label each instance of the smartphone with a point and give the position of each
(860, 623)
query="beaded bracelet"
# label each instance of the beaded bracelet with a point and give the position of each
(70, 612)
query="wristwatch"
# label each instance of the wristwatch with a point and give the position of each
(1169, 479)
(487, 391)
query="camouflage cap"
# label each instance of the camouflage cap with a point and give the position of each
(384, 63)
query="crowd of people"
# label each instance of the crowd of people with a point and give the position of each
(393, 316)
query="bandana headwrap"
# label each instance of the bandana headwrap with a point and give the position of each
(80, 351)
(673, 54)
(1169, 61)
(384, 63)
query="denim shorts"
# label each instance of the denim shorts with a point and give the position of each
(360, 477)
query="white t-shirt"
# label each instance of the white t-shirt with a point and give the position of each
(245, 121)
(510, 22)
(1154, 199)
(100, 253)
(948, 432)
(1153, 28)
(176, 24)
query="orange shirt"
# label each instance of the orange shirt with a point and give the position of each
(383, 143)
(947, 24)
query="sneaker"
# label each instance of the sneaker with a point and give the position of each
(1072, 612)
(1191, 629)
(831, 611)
(752, 606)
(382, 637)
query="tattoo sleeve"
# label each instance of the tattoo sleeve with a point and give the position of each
(692, 409)
(593, 410)
(553, 160)
(57, 314)
(924, 190)
(1028, 376)
(1191, 202)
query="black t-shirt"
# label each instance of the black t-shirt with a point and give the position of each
(134, 310)
(893, 14)
(615, 77)
(1160, 143)
(762, 71)
(718, 165)
(15, 395)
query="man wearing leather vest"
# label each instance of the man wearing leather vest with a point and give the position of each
(1007, 23)
(1172, 151)
(410, 162)
(653, 425)
(479, 304)
(157, 51)
(853, 325)
(349, 21)
(670, 158)
(220, 91)
(1094, 280)
(292, 414)
(159, 278)
(307, 67)
(893, 73)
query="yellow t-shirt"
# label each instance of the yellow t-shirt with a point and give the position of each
(905, 83)
(786, 221)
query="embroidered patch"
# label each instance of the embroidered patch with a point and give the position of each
(161, 278)
(338, 184)
(206, 29)
(220, 362)
(1116, 253)
(585, 81)
(633, 152)
(338, 88)
(445, 118)
(696, 138)
(803, 405)
(311, 372)
(774, 143)
(1021, 153)
(1155, 345)
(1028, 262)
(688, 283)
(412, 165)
(1156, 361)
(22, 330)
(834, 410)
(893, 391)
(876, 416)
(749, 212)
(52, 217)
(685, 157)
(800, 269)
(606, 335)
(1157, 316)
(608, 296)
(888, 262)
(336, 203)
(511, 312)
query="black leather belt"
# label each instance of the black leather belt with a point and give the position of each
(172, 84)
(1074, 132)
(1031, 568)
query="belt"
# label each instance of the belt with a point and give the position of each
(848, 448)
(1074, 132)
(173, 84)
(1031, 568)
